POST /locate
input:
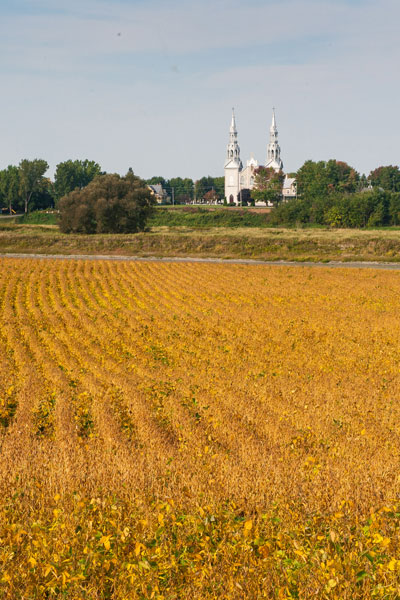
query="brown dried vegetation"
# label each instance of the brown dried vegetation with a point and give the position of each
(198, 431)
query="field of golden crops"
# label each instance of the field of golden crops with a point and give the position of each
(198, 431)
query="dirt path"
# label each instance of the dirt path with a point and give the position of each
(233, 261)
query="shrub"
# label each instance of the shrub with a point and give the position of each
(108, 204)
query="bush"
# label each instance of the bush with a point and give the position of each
(108, 204)
(296, 211)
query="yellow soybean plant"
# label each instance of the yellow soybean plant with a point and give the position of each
(198, 431)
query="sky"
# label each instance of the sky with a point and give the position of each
(150, 84)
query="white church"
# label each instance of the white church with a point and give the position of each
(239, 178)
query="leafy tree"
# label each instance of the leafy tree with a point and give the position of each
(318, 206)
(188, 187)
(312, 179)
(387, 178)
(362, 183)
(202, 186)
(318, 179)
(358, 210)
(296, 211)
(219, 185)
(394, 208)
(10, 188)
(182, 188)
(245, 197)
(267, 185)
(335, 217)
(156, 180)
(74, 174)
(108, 204)
(211, 197)
(341, 177)
(44, 197)
(32, 179)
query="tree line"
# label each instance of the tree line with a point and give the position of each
(25, 187)
(333, 193)
(88, 200)
(184, 191)
(328, 193)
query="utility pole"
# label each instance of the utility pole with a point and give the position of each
(173, 196)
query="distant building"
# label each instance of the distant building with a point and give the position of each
(158, 191)
(289, 189)
(239, 178)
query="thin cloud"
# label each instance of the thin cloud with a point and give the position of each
(158, 96)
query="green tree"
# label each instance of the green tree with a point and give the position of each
(44, 197)
(363, 209)
(108, 204)
(335, 217)
(219, 185)
(312, 181)
(188, 187)
(319, 179)
(341, 176)
(296, 211)
(394, 208)
(202, 186)
(31, 173)
(10, 188)
(74, 174)
(181, 188)
(387, 178)
(267, 185)
(156, 180)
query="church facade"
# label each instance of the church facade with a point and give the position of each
(239, 178)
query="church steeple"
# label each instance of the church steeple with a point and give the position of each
(273, 124)
(233, 165)
(233, 123)
(273, 149)
(233, 150)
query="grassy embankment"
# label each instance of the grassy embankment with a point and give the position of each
(209, 233)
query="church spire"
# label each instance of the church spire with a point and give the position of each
(273, 148)
(273, 124)
(233, 123)
(233, 150)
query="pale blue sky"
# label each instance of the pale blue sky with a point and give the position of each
(150, 84)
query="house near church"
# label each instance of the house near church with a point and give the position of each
(158, 192)
(239, 178)
(289, 188)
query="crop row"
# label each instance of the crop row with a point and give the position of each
(202, 431)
